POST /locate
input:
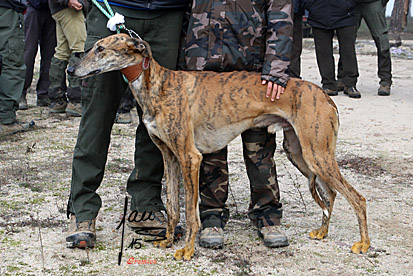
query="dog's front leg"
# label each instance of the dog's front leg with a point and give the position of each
(190, 164)
(172, 191)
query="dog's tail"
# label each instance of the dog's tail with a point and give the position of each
(316, 197)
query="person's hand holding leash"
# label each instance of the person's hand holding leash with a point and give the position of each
(273, 89)
(74, 4)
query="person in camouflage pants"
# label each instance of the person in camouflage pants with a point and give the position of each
(252, 36)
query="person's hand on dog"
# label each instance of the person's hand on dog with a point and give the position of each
(273, 89)
(74, 4)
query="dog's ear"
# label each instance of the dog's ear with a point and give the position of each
(140, 46)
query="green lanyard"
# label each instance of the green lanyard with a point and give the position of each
(109, 13)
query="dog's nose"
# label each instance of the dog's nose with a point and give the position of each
(71, 71)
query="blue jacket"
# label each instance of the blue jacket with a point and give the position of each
(330, 14)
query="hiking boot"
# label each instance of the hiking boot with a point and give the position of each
(352, 92)
(23, 103)
(331, 92)
(273, 236)
(81, 235)
(151, 224)
(58, 107)
(123, 118)
(212, 237)
(74, 109)
(15, 127)
(43, 101)
(148, 223)
(384, 89)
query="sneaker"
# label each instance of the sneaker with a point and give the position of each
(123, 118)
(331, 92)
(212, 237)
(15, 127)
(352, 92)
(340, 85)
(273, 236)
(74, 109)
(58, 107)
(384, 89)
(81, 235)
(43, 101)
(23, 103)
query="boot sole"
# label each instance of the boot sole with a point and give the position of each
(212, 245)
(274, 244)
(81, 240)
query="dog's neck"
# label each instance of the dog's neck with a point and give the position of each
(133, 72)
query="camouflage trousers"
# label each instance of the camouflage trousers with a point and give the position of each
(265, 208)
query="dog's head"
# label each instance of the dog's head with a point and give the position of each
(111, 53)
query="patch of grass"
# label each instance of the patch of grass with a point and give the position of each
(37, 200)
(31, 186)
(8, 205)
(10, 242)
(100, 246)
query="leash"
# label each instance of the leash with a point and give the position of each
(116, 16)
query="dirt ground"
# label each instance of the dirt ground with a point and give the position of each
(374, 150)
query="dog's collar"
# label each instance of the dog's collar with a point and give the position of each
(133, 72)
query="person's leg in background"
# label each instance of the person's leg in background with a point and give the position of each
(31, 42)
(374, 16)
(347, 52)
(323, 40)
(13, 70)
(47, 48)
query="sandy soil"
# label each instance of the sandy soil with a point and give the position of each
(375, 153)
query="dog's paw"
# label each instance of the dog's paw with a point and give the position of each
(319, 234)
(183, 253)
(360, 247)
(164, 243)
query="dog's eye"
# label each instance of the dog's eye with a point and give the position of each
(99, 49)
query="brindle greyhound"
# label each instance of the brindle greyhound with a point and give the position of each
(190, 113)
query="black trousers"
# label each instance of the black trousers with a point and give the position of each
(323, 40)
(39, 29)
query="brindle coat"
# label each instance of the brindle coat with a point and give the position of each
(189, 113)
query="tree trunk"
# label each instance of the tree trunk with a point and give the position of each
(398, 21)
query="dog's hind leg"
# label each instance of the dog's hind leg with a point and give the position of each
(172, 190)
(293, 150)
(326, 168)
(319, 188)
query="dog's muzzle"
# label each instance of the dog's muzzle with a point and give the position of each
(71, 71)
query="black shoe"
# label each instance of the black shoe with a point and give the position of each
(384, 89)
(43, 101)
(352, 92)
(340, 85)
